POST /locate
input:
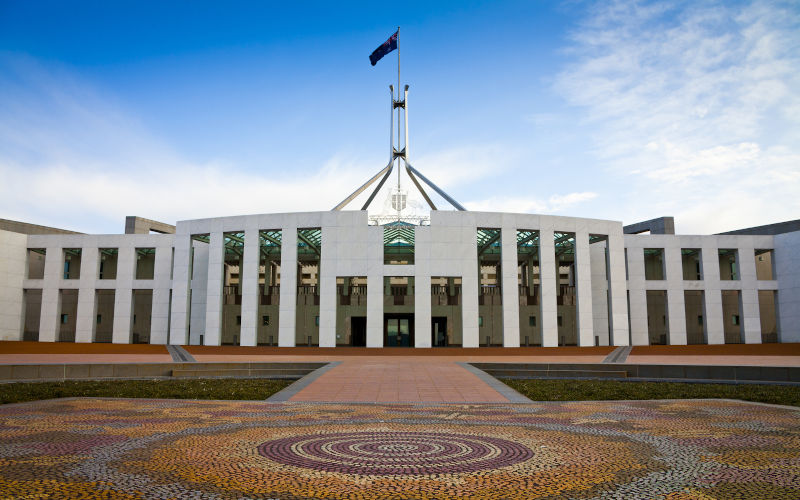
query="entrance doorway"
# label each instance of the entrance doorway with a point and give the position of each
(358, 331)
(439, 331)
(398, 330)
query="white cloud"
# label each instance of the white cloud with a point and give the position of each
(696, 103)
(71, 156)
(554, 204)
(67, 195)
(465, 165)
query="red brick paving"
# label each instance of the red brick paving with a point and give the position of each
(410, 379)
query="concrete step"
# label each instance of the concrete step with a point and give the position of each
(522, 373)
(242, 372)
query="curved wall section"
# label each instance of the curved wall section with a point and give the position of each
(240, 280)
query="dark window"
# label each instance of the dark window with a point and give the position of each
(560, 321)
(64, 319)
(735, 319)
(99, 318)
(265, 320)
(699, 320)
(238, 320)
(531, 320)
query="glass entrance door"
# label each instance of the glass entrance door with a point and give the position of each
(439, 331)
(398, 331)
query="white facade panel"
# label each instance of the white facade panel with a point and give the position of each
(90, 262)
(249, 283)
(288, 291)
(787, 270)
(13, 261)
(191, 272)
(583, 268)
(508, 236)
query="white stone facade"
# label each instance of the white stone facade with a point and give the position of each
(608, 279)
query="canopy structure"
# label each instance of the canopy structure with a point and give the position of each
(398, 234)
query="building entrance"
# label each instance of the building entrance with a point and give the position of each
(358, 331)
(439, 331)
(398, 330)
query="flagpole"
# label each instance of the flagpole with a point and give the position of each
(398, 124)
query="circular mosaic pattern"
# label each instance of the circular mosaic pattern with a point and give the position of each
(390, 453)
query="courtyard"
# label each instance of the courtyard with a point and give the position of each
(134, 448)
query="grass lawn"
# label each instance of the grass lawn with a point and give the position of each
(232, 389)
(603, 390)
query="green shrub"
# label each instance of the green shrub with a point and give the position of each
(226, 389)
(603, 390)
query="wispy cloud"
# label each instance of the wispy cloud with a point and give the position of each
(554, 204)
(697, 103)
(74, 157)
(464, 165)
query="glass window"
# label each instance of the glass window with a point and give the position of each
(728, 264)
(654, 263)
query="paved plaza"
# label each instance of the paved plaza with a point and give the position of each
(120, 448)
(404, 380)
(397, 424)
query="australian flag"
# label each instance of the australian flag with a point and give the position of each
(387, 46)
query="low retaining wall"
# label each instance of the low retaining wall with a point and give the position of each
(645, 372)
(69, 371)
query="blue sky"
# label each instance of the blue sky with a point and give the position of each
(618, 110)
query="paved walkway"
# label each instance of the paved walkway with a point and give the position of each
(399, 379)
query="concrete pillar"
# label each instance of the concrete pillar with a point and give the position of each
(51, 298)
(248, 275)
(510, 290)
(375, 286)
(288, 290)
(197, 293)
(181, 279)
(600, 308)
(787, 275)
(470, 289)
(87, 300)
(548, 278)
(583, 285)
(422, 309)
(676, 306)
(715, 333)
(123, 296)
(159, 317)
(216, 260)
(751, 313)
(638, 297)
(327, 288)
(13, 270)
(618, 288)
